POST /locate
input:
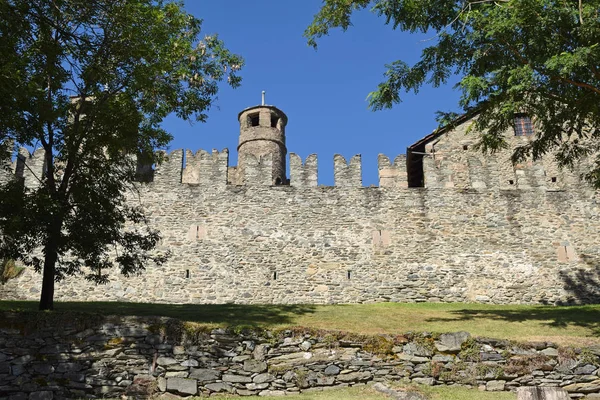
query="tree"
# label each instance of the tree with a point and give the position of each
(90, 82)
(539, 57)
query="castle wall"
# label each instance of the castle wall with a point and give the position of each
(347, 244)
(453, 161)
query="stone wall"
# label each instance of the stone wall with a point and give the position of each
(138, 357)
(480, 230)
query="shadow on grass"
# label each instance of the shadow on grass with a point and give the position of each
(559, 317)
(261, 315)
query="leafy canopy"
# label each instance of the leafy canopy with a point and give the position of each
(89, 82)
(540, 57)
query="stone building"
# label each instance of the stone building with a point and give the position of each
(446, 223)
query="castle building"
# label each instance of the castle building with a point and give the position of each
(446, 224)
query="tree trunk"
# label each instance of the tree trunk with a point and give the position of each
(49, 272)
(47, 298)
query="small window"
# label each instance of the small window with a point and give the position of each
(274, 275)
(465, 147)
(511, 182)
(254, 120)
(278, 181)
(187, 274)
(553, 179)
(523, 125)
(348, 274)
(274, 121)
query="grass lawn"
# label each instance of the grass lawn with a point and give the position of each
(574, 325)
(368, 393)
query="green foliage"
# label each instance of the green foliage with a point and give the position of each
(525, 364)
(9, 270)
(469, 350)
(539, 57)
(90, 81)
(379, 345)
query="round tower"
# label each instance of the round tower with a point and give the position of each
(262, 135)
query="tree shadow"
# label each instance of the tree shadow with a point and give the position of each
(559, 317)
(583, 283)
(256, 315)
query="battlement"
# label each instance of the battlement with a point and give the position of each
(441, 170)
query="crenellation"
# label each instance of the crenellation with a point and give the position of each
(303, 175)
(31, 166)
(169, 171)
(347, 174)
(392, 175)
(257, 170)
(204, 168)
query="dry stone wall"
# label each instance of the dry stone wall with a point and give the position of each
(140, 357)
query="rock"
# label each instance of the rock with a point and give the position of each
(414, 349)
(257, 386)
(495, 386)
(355, 377)
(587, 369)
(451, 342)
(590, 387)
(262, 378)
(260, 351)
(162, 384)
(424, 381)
(43, 369)
(182, 385)
(332, 370)
(203, 375)
(17, 396)
(550, 352)
(220, 387)
(542, 393)
(165, 361)
(325, 380)
(43, 395)
(306, 345)
(255, 366)
(236, 378)
(490, 357)
(189, 363)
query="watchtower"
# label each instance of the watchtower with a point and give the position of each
(262, 137)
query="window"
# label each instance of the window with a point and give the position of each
(254, 120)
(274, 121)
(523, 126)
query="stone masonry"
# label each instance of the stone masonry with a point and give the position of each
(135, 358)
(475, 229)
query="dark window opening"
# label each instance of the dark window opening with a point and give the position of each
(274, 121)
(278, 181)
(553, 179)
(511, 182)
(465, 147)
(187, 274)
(274, 275)
(254, 120)
(523, 125)
(348, 274)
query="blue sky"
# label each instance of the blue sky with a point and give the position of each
(322, 92)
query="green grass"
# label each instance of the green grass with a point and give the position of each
(368, 393)
(575, 325)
